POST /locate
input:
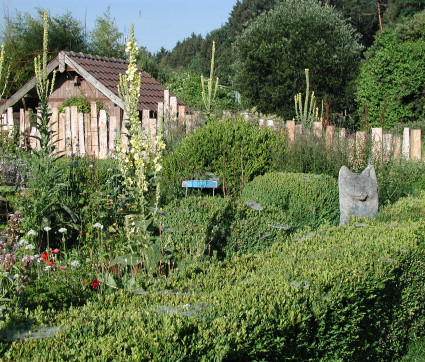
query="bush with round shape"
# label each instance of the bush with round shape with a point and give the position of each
(308, 200)
(233, 150)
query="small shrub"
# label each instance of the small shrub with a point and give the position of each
(57, 290)
(196, 226)
(308, 200)
(255, 231)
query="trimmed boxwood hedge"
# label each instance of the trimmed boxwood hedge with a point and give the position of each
(354, 292)
(309, 200)
(198, 226)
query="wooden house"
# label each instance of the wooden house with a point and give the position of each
(96, 79)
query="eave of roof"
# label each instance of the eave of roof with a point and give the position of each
(103, 73)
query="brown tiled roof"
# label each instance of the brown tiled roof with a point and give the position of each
(107, 70)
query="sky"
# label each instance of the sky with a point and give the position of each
(157, 23)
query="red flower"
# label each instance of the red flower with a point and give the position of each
(63, 267)
(56, 251)
(44, 256)
(94, 284)
(52, 263)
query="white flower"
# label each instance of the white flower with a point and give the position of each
(110, 170)
(75, 264)
(48, 267)
(30, 247)
(32, 232)
(47, 228)
(62, 230)
(98, 226)
(22, 242)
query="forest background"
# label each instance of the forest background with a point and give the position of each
(345, 93)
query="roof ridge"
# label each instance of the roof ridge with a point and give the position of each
(95, 57)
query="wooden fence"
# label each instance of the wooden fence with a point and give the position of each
(95, 134)
(383, 145)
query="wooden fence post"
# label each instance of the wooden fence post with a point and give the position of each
(416, 144)
(124, 132)
(81, 136)
(94, 130)
(377, 140)
(290, 131)
(387, 147)
(330, 132)
(113, 130)
(361, 137)
(88, 135)
(103, 135)
(406, 143)
(396, 146)
(317, 129)
(74, 130)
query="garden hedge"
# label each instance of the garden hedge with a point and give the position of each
(343, 293)
(198, 226)
(308, 200)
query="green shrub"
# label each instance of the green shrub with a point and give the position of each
(254, 231)
(233, 150)
(391, 78)
(343, 293)
(198, 226)
(405, 209)
(308, 200)
(56, 290)
(83, 104)
(399, 178)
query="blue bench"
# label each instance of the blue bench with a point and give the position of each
(199, 184)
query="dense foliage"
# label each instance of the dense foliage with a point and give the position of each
(349, 293)
(390, 84)
(276, 48)
(232, 150)
(308, 200)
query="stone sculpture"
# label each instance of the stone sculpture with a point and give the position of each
(358, 193)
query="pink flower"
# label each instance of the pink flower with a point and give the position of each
(56, 251)
(63, 267)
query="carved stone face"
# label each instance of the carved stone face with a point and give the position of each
(358, 193)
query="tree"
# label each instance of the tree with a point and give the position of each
(398, 10)
(22, 36)
(105, 37)
(362, 15)
(391, 84)
(274, 50)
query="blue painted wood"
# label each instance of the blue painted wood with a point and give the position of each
(200, 184)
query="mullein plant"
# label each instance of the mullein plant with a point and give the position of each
(44, 90)
(141, 163)
(41, 201)
(310, 113)
(4, 73)
(208, 95)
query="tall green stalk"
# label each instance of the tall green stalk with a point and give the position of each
(310, 112)
(208, 95)
(141, 164)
